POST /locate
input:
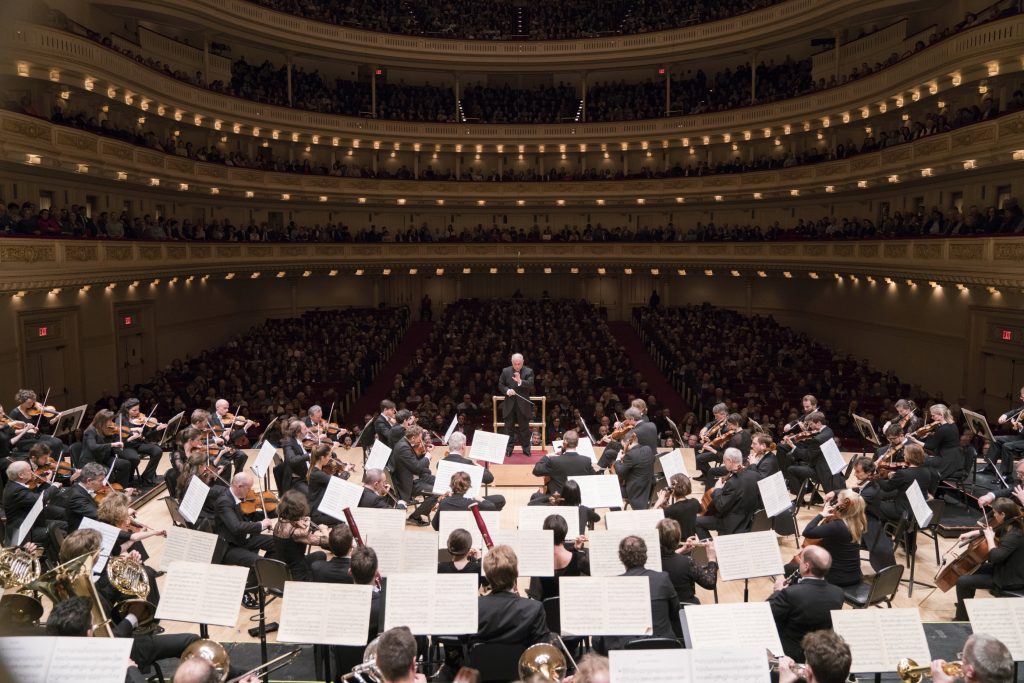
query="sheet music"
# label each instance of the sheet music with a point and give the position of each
(710, 664)
(600, 606)
(533, 516)
(445, 470)
(463, 519)
(672, 463)
(404, 552)
(631, 520)
(325, 613)
(586, 447)
(774, 494)
(340, 494)
(599, 491)
(29, 521)
(379, 456)
(1002, 618)
(745, 556)
(195, 498)
(534, 550)
(432, 604)
(489, 447)
(726, 624)
(109, 534)
(187, 545)
(202, 593)
(376, 521)
(904, 637)
(263, 459)
(922, 513)
(604, 550)
(52, 659)
(451, 429)
(833, 457)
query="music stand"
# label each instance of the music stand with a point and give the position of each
(366, 438)
(68, 421)
(675, 430)
(978, 424)
(173, 425)
(867, 435)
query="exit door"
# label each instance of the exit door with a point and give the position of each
(45, 368)
(131, 356)
(1003, 379)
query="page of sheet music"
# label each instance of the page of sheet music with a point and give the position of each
(29, 521)
(605, 606)
(195, 497)
(109, 534)
(833, 457)
(445, 470)
(187, 545)
(51, 659)
(340, 494)
(533, 516)
(404, 552)
(1002, 618)
(672, 463)
(463, 519)
(489, 447)
(263, 459)
(534, 550)
(599, 491)
(650, 666)
(378, 457)
(202, 593)
(325, 613)
(745, 556)
(922, 513)
(432, 604)
(727, 664)
(904, 637)
(774, 494)
(451, 428)
(586, 447)
(709, 664)
(628, 520)
(604, 550)
(725, 624)
(375, 521)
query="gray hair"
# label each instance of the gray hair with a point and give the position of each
(315, 409)
(634, 414)
(517, 355)
(720, 408)
(372, 476)
(733, 455)
(456, 442)
(990, 658)
(19, 467)
(93, 470)
(570, 439)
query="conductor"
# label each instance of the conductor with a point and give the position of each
(516, 385)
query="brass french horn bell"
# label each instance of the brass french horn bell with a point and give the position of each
(910, 671)
(543, 660)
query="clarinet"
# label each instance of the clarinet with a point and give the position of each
(792, 578)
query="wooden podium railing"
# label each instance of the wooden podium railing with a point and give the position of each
(541, 401)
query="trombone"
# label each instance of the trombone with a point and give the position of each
(910, 672)
(214, 653)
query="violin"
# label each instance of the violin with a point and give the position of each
(232, 420)
(39, 409)
(724, 437)
(803, 436)
(927, 429)
(713, 430)
(624, 427)
(420, 448)
(12, 423)
(146, 423)
(258, 501)
(334, 467)
(105, 490)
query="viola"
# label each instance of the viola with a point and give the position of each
(624, 427)
(39, 409)
(105, 490)
(232, 420)
(258, 501)
(724, 437)
(334, 467)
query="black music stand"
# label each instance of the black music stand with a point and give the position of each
(867, 436)
(68, 421)
(171, 431)
(366, 439)
(978, 425)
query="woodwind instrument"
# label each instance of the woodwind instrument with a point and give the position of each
(350, 518)
(474, 507)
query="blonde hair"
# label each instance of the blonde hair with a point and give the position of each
(114, 510)
(853, 515)
(942, 411)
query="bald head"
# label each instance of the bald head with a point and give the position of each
(818, 560)
(372, 477)
(241, 484)
(19, 471)
(195, 670)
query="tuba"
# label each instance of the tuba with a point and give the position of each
(543, 661)
(18, 567)
(74, 578)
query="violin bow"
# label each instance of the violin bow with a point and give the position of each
(39, 420)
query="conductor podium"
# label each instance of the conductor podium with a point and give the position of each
(541, 401)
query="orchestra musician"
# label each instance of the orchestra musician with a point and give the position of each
(317, 480)
(762, 458)
(806, 605)
(635, 469)
(458, 500)
(570, 559)
(396, 657)
(412, 473)
(336, 569)
(1006, 447)
(1016, 488)
(231, 437)
(828, 660)
(11, 433)
(707, 453)
(291, 471)
(559, 467)
(19, 499)
(80, 499)
(675, 500)
(317, 425)
(984, 660)
(734, 501)
(943, 443)
(186, 461)
(893, 501)
(26, 402)
(377, 491)
(895, 440)
(503, 616)
(102, 444)
(1004, 568)
(645, 430)
(456, 446)
(839, 528)
(879, 545)
(244, 539)
(664, 600)
(384, 421)
(810, 405)
(115, 511)
(683, 572)
(363, 570)
(516, 384)
(808, 461)
(906, 419)
(41, 460)
(403, 420)
(465, 558)
(294, 533)
(143, 440)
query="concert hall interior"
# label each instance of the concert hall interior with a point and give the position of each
(324, 319)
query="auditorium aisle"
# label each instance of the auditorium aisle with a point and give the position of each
(667, 396)
(369, 402)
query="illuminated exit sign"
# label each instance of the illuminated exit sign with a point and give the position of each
(1007, 335)
(43, 331)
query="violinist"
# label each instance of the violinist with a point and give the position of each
(810, 405)
(732, 435)
(943, 443)
(412, 473)
(322, 465)
(559, 467)
(762, 458)
(244, 539)
(908, 422)
(1015, 489)
(720, 412)
(676, 502)
(1008, 446)
(635, 469)
(20, 497)
(879, 545)
(232, 433)
(1004, 568)
(80, 499)
(646, 431)
(893, 449)
(294, 533)
(101, 443)
(734, 501)
(456, 446)
(893, 502)
(318, 426)
(144, 436)
(403, 420)
(838, 528)
(214, 445)
(384, 421)
(457, 498)
(684, 573)
(30, 411)
(377, 492)
(808, 462)
(570, 559)
(291, 471)
(336, 569)
(11, 433)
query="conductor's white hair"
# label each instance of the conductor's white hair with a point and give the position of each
(517, 356)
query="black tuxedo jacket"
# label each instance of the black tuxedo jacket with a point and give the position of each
(647, 435)
(296, 459)
(766, 466)
(507, 618)
(561, 467)
(334, 570)
(636, 474)
(408, 466)
(802, 608)
(230, 436)
(78, 503)
(228, 519)
(381, 427)
(17, 502)
(506, 382)
(318, 483)
(96, 447)
(455, 503)
(394, 435)
(737, 501)
(664, 607)
(370, 499)
(455, 457)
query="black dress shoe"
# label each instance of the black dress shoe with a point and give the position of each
(249, 601)
(816, 499)
(417, 521)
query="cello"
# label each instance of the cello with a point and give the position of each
(966, 557)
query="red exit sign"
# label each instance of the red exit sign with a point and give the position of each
(128, 321)
(43, 331)
(1007, 335)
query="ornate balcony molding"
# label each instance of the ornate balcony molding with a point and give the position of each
(967, 55)
(990, 145)
(28, 264)
(289, 32)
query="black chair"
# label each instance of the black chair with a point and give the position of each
(271, 576)
(881, 588)
(654, 644)
(496, 661)
(76, 455)
(760, 522)
(938, 507)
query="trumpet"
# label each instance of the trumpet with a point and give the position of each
(910, 672)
